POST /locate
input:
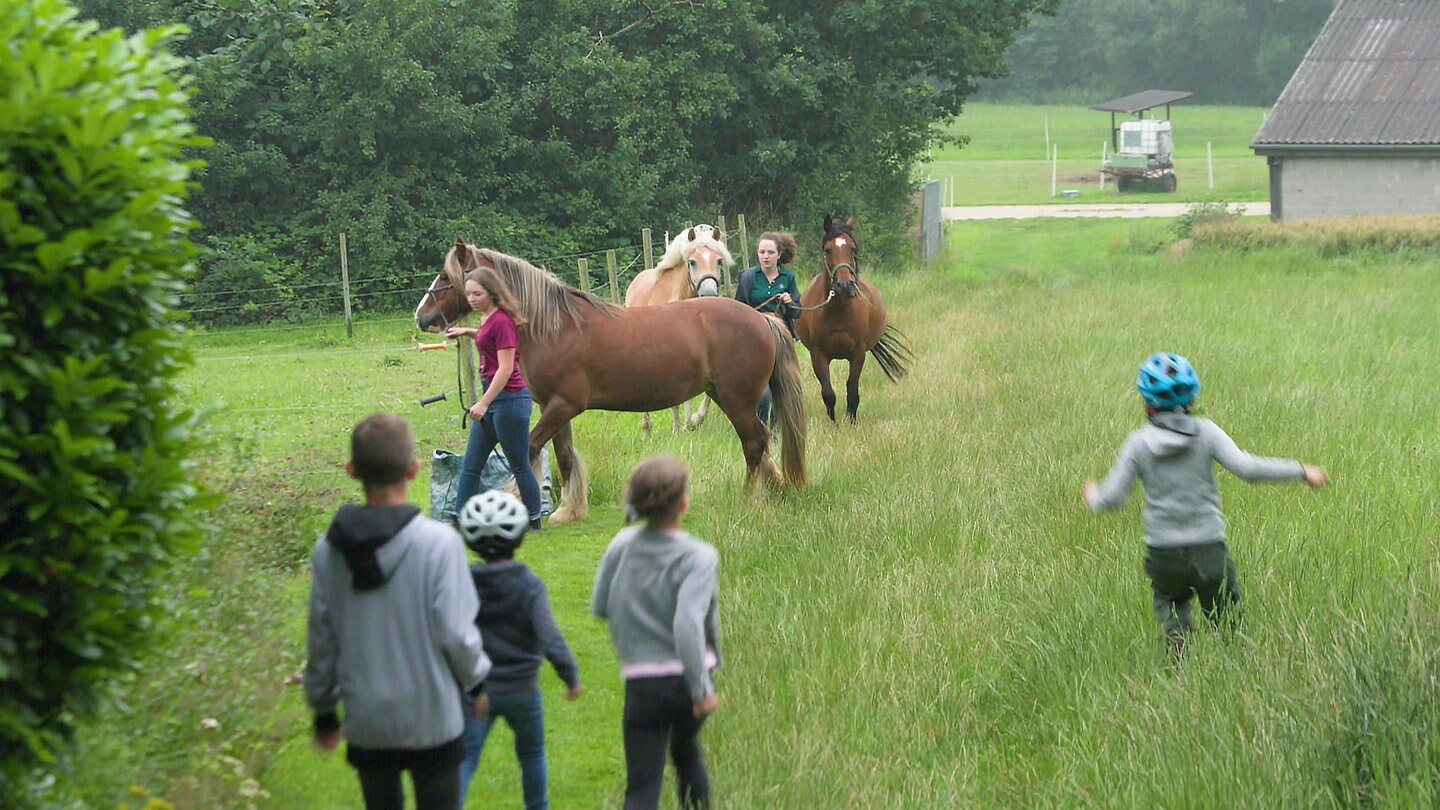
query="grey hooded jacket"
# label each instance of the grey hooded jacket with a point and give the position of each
(1174, 457)
(659, 592)
(392, 628)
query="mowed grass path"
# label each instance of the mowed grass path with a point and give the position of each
(1007, 159)
(937, 620)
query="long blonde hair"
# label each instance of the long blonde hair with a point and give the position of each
(499, 292)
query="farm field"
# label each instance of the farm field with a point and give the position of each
(1006, 160)
(937, 620)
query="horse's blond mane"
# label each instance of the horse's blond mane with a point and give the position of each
(543, 299)
(681, 247)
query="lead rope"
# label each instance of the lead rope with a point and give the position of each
(820, 305)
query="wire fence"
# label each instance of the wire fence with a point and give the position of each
(282, 306)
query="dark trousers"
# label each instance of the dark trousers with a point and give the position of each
(436, 788)
(1181, 573)
(658, 715)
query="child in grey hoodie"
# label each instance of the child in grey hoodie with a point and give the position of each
(392, 631)
(1174, 457)
(657, 588)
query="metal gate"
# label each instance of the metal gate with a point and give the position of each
(931, 238)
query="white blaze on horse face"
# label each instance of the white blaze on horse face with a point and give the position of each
(839, 241)
(429, 293)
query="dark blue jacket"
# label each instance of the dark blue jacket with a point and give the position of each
(518, 628)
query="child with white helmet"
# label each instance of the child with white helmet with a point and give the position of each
(1174, 457)
(518, 628)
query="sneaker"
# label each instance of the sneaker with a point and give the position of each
(535, 525)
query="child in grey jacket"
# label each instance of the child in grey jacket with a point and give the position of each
(657, 588)
(392, 631)
(1174, 457)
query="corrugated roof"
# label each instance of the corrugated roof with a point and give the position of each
(1371, 78)
(1143, 100)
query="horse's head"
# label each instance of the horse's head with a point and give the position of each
(705, 257)
(444, 300)
(841, 257)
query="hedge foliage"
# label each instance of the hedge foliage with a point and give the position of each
(1335, 236)
(549, 128)
(96, 499)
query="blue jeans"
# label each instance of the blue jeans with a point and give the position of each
(763, 412)
(506, 422)
(526, 716)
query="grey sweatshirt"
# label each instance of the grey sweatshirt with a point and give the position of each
(1174, 457)
(518, 627)
(658, 591)
(392, 629)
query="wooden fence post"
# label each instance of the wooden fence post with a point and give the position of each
(744, 245)
(724, 239)
(585, 275)
(614, 282)
(345, 286)
(647, 248)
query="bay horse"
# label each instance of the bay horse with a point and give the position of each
(703, 256)
(844, 317)
(578, 351)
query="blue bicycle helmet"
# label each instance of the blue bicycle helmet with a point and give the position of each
(1167, 381)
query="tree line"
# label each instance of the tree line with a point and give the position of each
(1226, 52)
(551, 128)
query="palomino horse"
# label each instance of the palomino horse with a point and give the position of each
(844, 318)
(578, 351)
(704, 257)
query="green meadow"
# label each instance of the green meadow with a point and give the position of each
(936, 620)
(1007, 159)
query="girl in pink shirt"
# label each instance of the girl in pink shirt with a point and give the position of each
(502, 414)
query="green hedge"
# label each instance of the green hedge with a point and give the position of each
(96, 498)
(1337, 236)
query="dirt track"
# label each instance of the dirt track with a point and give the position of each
(1121, 210)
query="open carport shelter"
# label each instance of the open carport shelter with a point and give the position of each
(1357, 129)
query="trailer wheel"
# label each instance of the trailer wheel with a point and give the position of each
(1122, 182)
(1168, 182)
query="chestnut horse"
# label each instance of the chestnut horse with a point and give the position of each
(578, 351)
(701, 252)
(844, 318)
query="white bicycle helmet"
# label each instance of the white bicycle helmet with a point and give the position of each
(493, 522)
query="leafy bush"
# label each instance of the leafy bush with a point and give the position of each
(96, 498)
(1202, 213)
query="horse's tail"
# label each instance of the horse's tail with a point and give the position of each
(788, 400)
(892, 352)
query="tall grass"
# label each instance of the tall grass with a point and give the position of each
(1007, 156)
(937, 620)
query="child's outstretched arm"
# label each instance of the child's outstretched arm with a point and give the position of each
(1257, 468)
(1116, 487)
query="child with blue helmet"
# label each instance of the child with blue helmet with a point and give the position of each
(1174, 458)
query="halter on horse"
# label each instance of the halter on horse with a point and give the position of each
(844, 318)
